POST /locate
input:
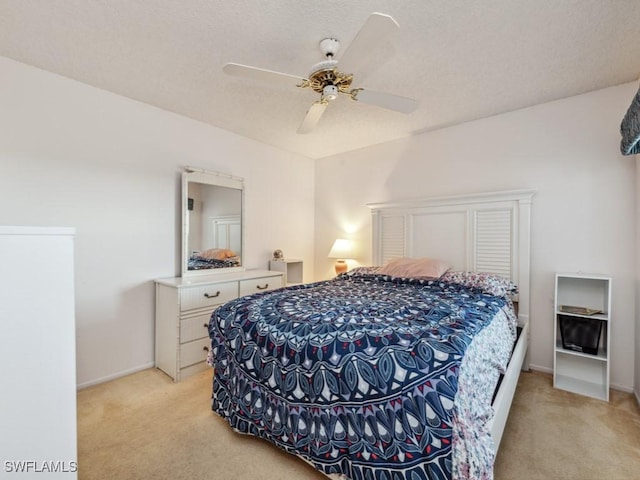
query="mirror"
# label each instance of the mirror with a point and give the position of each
(212, 222)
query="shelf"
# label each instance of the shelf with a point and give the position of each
(602, 354)
(590, 389)
(580, 372)
(596, 316)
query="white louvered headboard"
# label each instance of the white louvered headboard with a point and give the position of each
(488, 232)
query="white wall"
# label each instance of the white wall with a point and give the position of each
(583, 215)
(73, 155)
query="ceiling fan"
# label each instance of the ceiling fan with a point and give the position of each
(328, 81)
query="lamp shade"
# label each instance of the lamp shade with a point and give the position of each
(341, 249)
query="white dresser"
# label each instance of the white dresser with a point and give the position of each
(183, 310)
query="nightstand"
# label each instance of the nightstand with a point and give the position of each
(291, 268)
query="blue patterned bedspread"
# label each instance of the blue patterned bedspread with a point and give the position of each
(199, 263)
(357, 374)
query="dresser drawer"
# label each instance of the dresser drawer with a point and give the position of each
(263, 284)
(194, 352)
(207, 295)
(193, 328)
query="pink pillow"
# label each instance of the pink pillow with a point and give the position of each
(414, 268)
(217, 254)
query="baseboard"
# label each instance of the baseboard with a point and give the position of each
(637, 398)
(621, 388)
(538, 368)
(123, 373)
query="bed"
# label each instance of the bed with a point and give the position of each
(378, 375)
(213, 258)
(197, 262)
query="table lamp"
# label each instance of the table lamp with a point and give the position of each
(341, 250)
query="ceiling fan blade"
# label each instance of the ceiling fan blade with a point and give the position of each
(262, 75)
(385, 100)
(313, 116)
(375, 32)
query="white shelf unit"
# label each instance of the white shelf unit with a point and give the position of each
(575, 371)
(291, 268)
(38, 416)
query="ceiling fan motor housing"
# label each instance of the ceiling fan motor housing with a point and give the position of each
(329, 47)
(326, 74)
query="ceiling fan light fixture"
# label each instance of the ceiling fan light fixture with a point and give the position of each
(329, 92)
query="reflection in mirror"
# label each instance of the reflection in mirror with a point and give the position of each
(212, 228)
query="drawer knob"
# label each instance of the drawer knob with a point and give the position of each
(205, 348)
(206, 325)
(208, 295)
(266, 285)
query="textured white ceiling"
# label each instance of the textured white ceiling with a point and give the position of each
(463, 59)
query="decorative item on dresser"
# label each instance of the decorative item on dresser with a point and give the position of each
(291, 267)
(184, 307)
(582, 334)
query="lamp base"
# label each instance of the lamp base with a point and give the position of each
(341, 267)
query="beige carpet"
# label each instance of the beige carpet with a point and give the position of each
(144, 426)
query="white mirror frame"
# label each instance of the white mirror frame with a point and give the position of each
(197, 175)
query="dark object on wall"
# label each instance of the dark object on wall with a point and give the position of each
(580, 334)
(189, 204)
(630, 128)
